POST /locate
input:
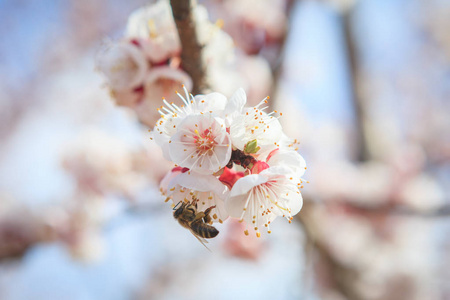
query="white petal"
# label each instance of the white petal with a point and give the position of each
(214, 102)
(235, 205)
(255, 124)
(295, 202)
(246, 183)
(247, 208)
(199, 182)
(291, 159)
(206, 200)
(236, 103)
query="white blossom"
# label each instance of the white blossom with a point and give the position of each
(208, 135)
(123, 64)
(259, 198)
(172, 115)
(254, 124)
(201, 144)
(153, 26)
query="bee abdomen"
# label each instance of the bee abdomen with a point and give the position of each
(204, 230)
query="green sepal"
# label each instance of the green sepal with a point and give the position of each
(251, 147)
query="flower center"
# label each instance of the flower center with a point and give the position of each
(204, 141)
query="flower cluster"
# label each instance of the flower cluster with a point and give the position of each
(145, 64)
(232, 157)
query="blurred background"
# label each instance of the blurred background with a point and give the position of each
(365, 87)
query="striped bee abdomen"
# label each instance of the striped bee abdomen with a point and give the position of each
(204, 230)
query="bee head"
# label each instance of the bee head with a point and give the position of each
(179, 209)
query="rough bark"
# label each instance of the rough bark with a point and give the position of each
(191, 53)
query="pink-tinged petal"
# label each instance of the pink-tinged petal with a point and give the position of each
(163, 80)
(129, 98)
(165, 182)
(230, 176)
(258, 167)
(272, 153)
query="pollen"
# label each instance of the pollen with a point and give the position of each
(219, 23)
(258, 234)
(246, 232)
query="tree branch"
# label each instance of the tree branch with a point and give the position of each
(191, 53)
(358, 103)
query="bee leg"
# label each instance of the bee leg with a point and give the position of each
(194, 202)
(199, 216)
(207, 218)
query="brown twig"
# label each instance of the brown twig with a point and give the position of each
(191, 53)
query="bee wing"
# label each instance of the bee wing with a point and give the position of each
(201, 240)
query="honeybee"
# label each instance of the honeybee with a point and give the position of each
(197, 222)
